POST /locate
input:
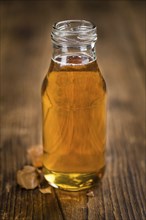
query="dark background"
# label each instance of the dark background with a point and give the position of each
(25, 57)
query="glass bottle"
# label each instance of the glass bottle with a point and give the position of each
(74, 109)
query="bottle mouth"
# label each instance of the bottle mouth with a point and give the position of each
(74, 32)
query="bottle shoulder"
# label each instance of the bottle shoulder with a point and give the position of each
(73, 64)
(75, 75)
(89, 72)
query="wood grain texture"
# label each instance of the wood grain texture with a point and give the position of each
(25, 54)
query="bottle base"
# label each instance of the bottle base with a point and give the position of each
(72, 181)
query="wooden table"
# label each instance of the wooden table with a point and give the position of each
(25, 57)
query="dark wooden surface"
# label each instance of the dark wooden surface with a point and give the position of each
(25, 54)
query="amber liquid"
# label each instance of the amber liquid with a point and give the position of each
(74, 122)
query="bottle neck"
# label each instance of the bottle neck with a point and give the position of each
(74, 42)
(74, 55)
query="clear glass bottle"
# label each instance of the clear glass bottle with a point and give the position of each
(74, 109)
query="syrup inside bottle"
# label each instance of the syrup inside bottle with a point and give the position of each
(74, 122)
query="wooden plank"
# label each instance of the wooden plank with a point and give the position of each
(19, 203)
(73, 204)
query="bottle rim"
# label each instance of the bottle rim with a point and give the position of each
(74, 32)
(61, 25)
